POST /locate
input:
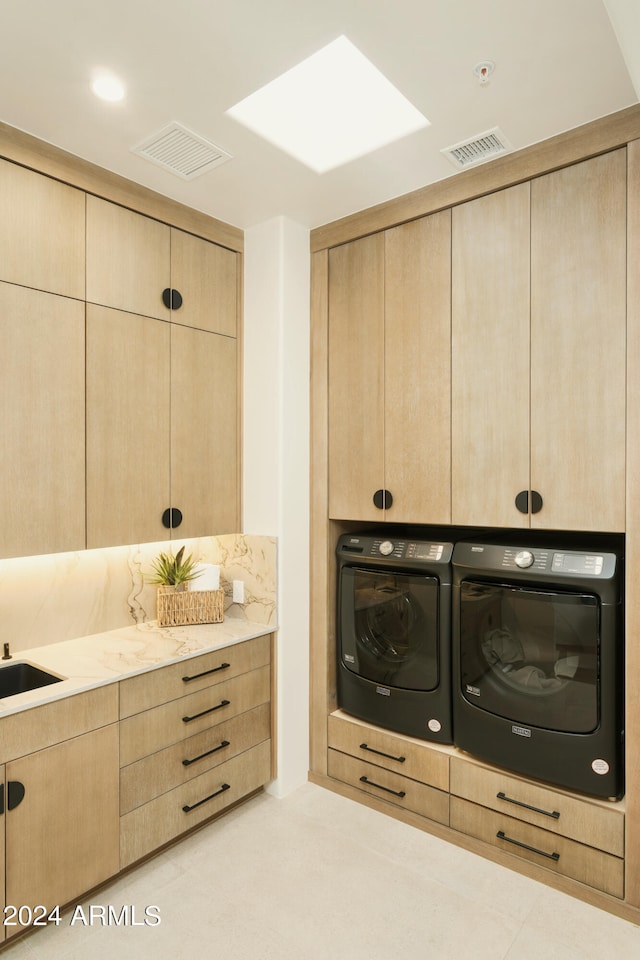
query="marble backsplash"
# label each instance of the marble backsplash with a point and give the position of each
(63, 596)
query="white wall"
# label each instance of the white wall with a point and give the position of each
(276, 459)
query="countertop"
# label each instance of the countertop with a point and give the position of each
(107, 657)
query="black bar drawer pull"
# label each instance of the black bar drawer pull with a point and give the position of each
(379, 753)
(221, 746)
(196, 676)
(546, 813)
(225, 786)
(370, 783)
(501, 835)
(223, 703)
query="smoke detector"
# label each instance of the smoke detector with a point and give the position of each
(479, 149)
(483, 71)
(181, 151)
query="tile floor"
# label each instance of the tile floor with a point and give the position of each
(317, 877)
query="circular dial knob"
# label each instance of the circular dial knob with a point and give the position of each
(524, 559)
(386, 547)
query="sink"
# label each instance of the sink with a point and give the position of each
(22, 676)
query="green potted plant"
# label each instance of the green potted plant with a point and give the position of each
(173, 571)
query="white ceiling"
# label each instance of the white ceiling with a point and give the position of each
(559, 64)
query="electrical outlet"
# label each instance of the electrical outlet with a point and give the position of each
(238, 591)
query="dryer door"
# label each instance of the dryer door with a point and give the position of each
(388, 627)
(531, 655)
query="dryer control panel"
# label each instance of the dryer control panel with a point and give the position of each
(383, 548)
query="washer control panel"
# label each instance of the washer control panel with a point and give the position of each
(390, 548)
(536, 560)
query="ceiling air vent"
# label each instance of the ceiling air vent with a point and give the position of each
(181, 151)
(484, 147)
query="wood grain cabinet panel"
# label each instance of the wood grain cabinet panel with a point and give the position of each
(165, 769)
(42, 389)
(552, 851)
(42, 232)
(192, 674)
(389, 374)
(128, 427)
(392, 787)
(597, 823)
(394, 752)
(150, 826)
(62, 839)
(578, 344)
(206, 276)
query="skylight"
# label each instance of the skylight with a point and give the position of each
(329, 109)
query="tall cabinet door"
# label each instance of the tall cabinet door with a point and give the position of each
(128, 411)
(417, 378)
(490, 358)
(42, 434)
(204, 432)
(356, 378)
(578, 317)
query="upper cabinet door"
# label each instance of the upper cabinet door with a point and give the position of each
(356, 378)
(43, 432)
(206, 277)
(490, 359)
(578, 334)
(204, 433)
(128, 260)
(42, 232)
(417, 358)
(128, 427)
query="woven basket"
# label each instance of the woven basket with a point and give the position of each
(177, 607)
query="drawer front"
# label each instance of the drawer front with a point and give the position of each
(588, 822)
(567, 857)
(380, 783)
(160, 821)
(168, 683)
(42, 726)
(400, 754)
(148, 778)
(172, 722)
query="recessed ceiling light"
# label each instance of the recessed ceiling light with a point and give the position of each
(108, 87)
(329, 109)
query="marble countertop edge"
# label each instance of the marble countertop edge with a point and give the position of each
(92, 661)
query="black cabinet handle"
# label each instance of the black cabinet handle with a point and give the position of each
(379, 753)
(382, 499)
(546, 813)
(370, 783)
(223, 703)
(15, 794)
(172, 299)
(172, 518)
(501, 835)
(522, 501)
(536, 502)
(196, 676)
(221, 746)
(225, 786)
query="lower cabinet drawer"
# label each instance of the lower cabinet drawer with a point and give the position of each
(151, 776)
(150, 826)
(595, 823)
(177, 720)
(380, 783)
(567, 857)
(403, 755)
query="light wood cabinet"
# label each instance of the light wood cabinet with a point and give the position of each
(161, 429)
(61, 818)
(195, 737)
(539, 319)
(42, 232)
(389, 375)
(132, 260)
(42, 396)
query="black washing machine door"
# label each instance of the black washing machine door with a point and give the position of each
(388, 625)
(531, 655)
